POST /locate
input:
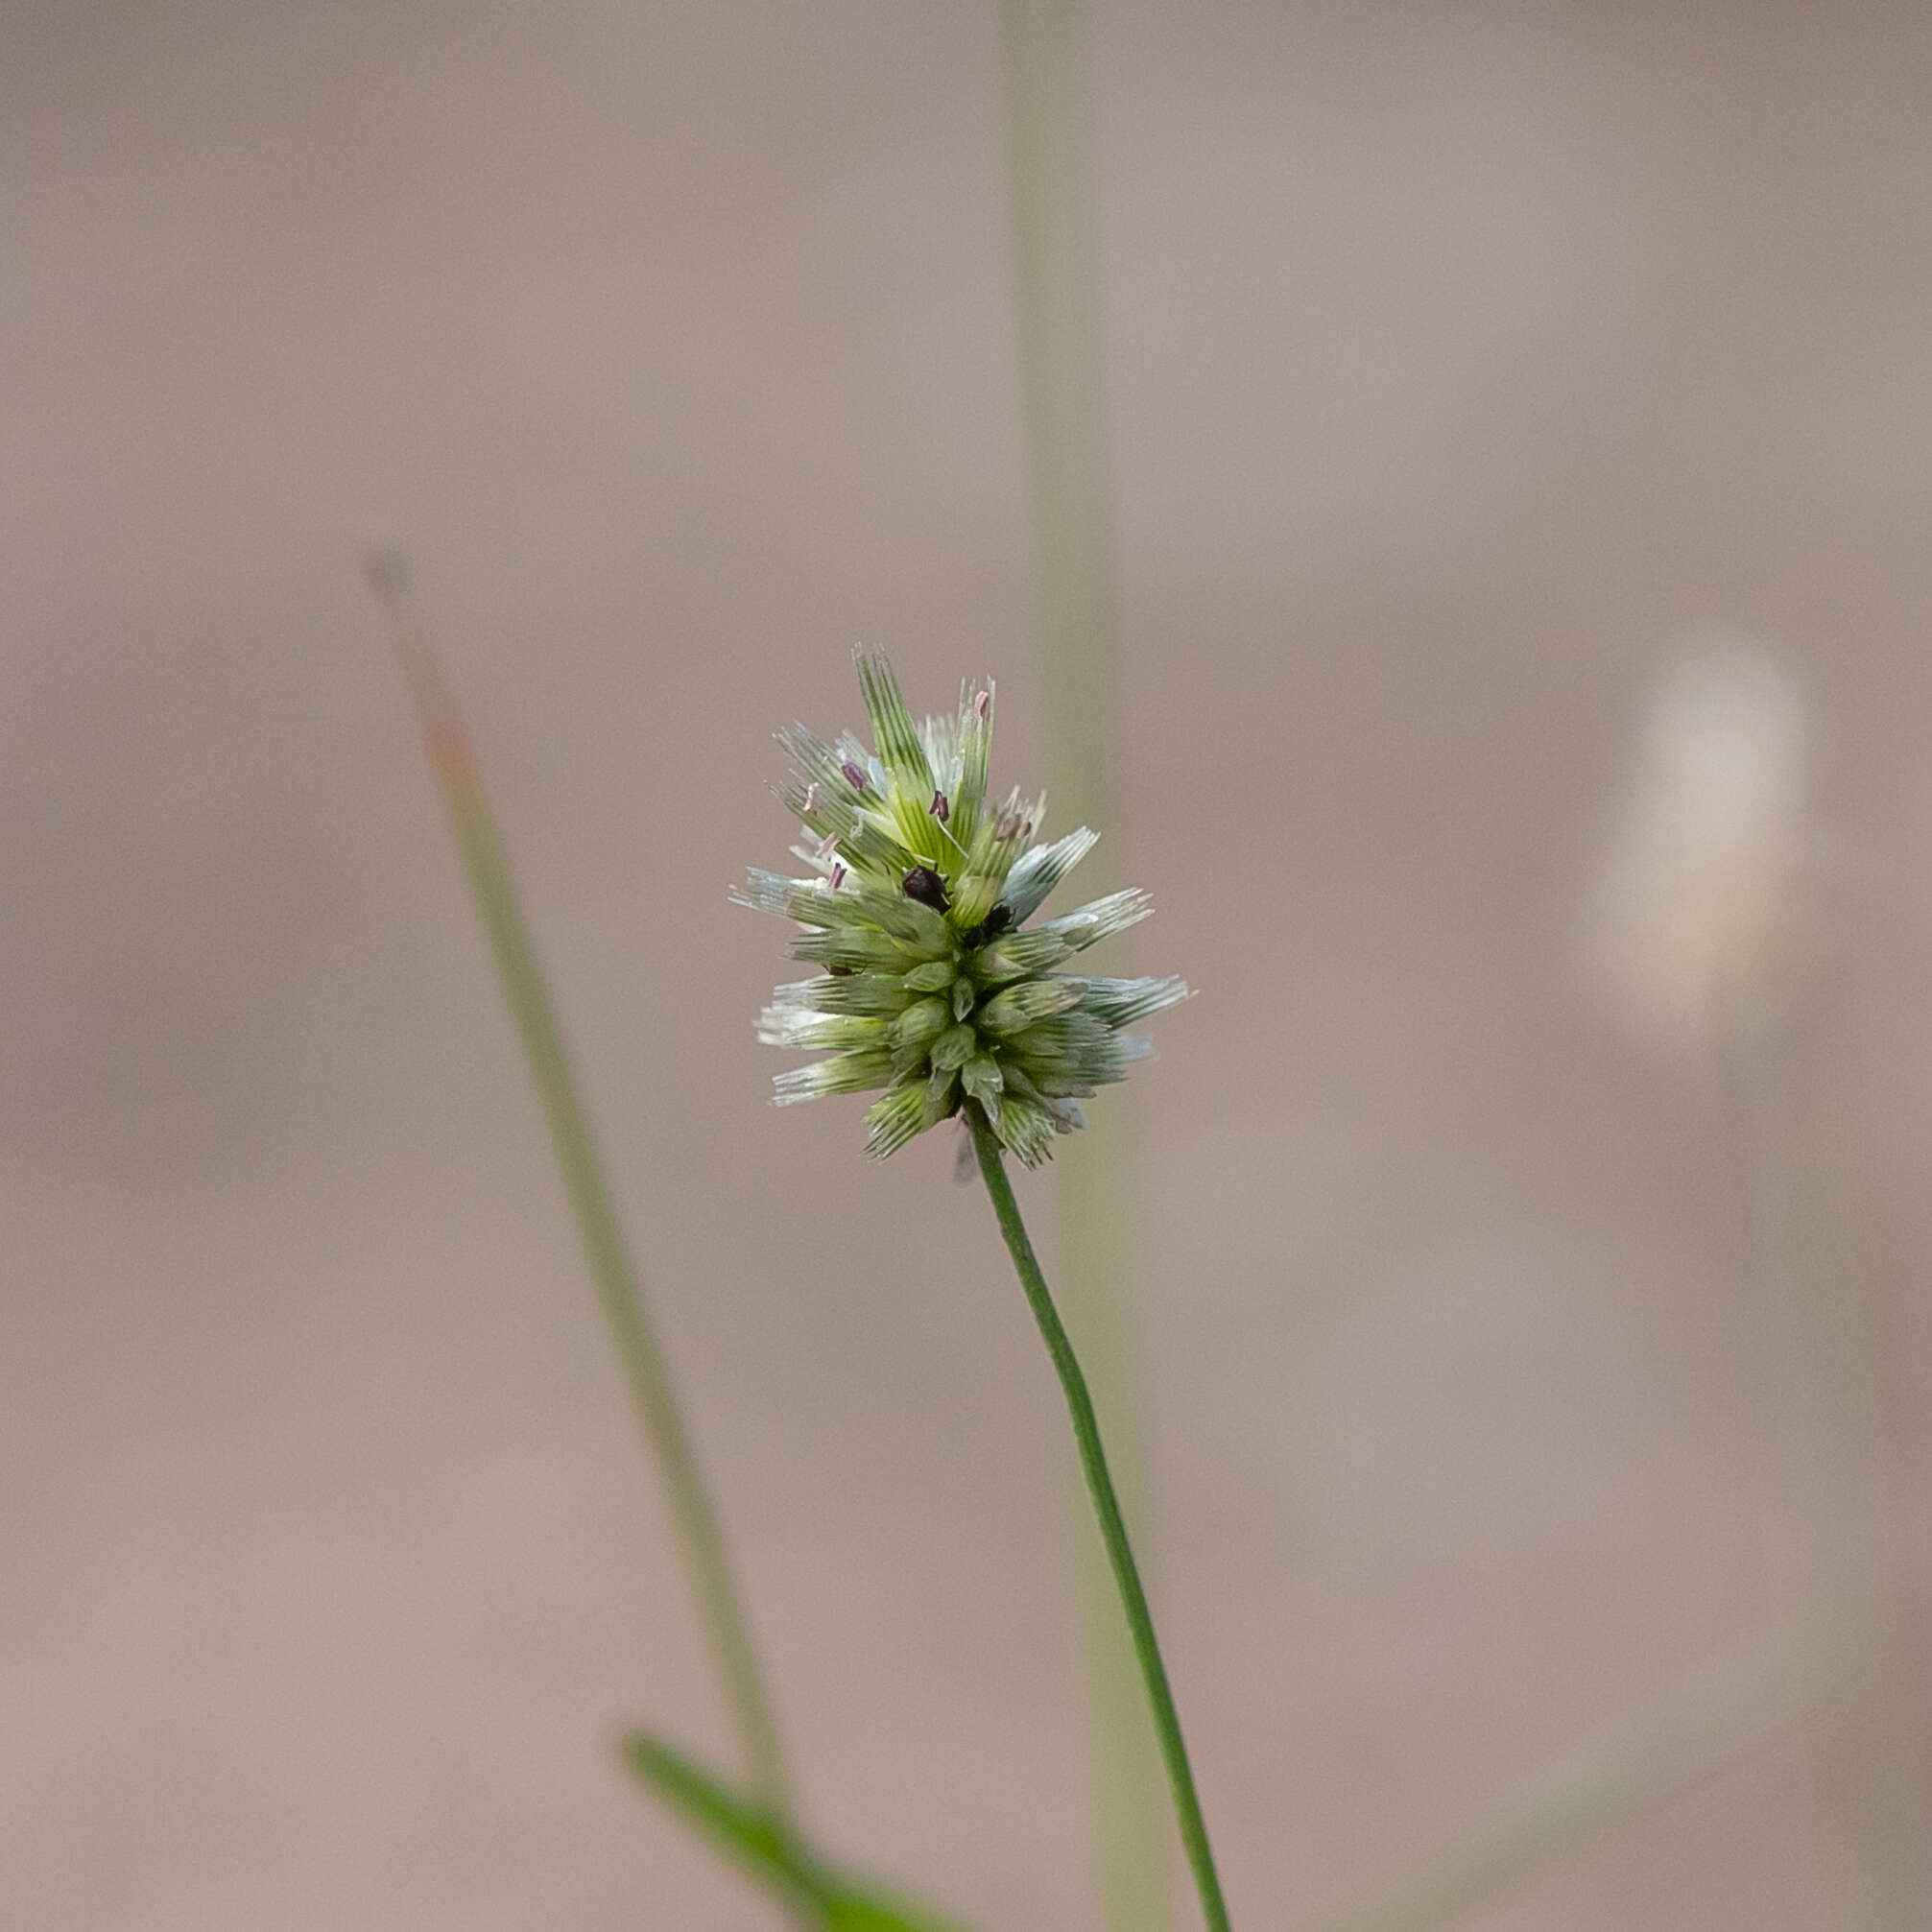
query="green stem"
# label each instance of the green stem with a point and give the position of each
(1047, 120)
(1107, 1510)
(620, 1289)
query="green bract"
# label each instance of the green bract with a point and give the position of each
(934, 987)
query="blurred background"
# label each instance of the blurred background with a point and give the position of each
(1458, 363)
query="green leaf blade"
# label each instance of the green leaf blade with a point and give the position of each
(765, 1848)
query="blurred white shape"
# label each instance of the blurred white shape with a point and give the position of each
(1695, 927)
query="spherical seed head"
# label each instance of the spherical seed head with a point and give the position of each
(934, 987)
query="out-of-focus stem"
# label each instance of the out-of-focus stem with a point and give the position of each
(1840, 1662)
(620, 1289)
(1057, 300)
(1062, 398)
(1688, 1729)
(1818, 1385)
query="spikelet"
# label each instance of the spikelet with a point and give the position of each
(935, 989)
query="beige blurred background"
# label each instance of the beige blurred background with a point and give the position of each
(1459, 361)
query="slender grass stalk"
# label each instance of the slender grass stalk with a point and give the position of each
(1716, 1710)
(1107, 1512)
(620, 1288)
(1064, 426)
(1094, 1258)
(1062, 393)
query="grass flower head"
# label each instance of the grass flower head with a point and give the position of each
(934, 987)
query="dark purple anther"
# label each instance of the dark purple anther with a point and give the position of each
(927, 886)
(855, 778)
(939, 807)
(990, 927)
(838, 877)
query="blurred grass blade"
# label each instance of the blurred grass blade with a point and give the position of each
(764, 1846)
(620, 1290)
(850, 1911)
(1063, 428)
(1692, 1727)
(745, 1830)
(1820, 1381)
